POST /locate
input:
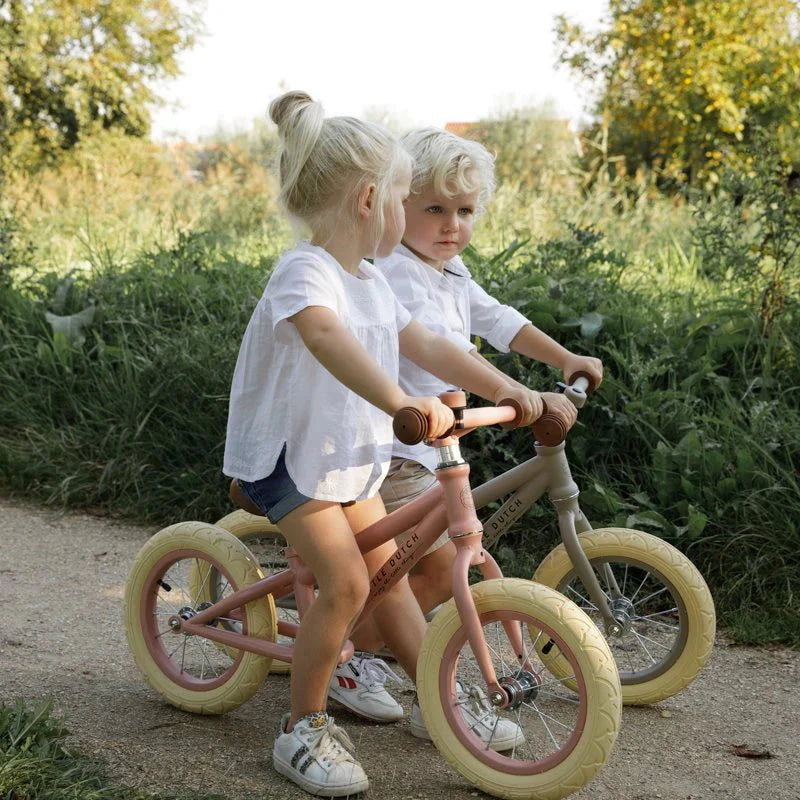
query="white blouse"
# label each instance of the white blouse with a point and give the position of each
(338, 445)
(451, 304)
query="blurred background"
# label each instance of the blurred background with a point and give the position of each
(647, 212)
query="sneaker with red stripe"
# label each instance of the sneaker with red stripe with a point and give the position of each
(360, 685)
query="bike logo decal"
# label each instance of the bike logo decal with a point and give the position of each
(466, 498)
(505, 514)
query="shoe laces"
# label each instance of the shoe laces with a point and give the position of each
(374, 672)
(332, 743)
(475, 701)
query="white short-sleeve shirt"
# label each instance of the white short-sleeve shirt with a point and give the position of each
(451, 304)
(338, 445)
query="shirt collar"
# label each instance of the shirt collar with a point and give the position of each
(454, 264)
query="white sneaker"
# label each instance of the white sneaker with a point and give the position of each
(318, 756)
(359, 684)
(498, 733)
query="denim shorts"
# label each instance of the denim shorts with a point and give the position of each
(276, 495)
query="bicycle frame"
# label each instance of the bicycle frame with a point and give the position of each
(548, 472)
(447, 505)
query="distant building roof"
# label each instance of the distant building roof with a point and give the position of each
(459, 128)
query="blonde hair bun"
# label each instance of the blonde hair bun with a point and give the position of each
(323, 162)
(282, 109)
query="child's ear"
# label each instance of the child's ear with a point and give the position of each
(366, 200)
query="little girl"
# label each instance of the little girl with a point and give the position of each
(452, 182)
(315, 386)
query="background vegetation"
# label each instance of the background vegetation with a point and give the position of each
(36, 764)
(129, 269)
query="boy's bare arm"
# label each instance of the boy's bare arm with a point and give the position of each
(536, 344)
(450, 363)
(510, 381)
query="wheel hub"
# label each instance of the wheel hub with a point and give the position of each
(623, 612)
(521, 688)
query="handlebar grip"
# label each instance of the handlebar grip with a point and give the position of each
(517, 409)
(410, 426)
(591, 383)
(549, 429)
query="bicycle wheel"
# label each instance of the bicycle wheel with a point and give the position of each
(266, 543)
(188, 671)
(668, 610)
(568, 735)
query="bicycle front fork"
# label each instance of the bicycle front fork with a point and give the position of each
(611, 604)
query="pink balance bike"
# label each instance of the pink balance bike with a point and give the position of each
(202, 625)
(649, 600)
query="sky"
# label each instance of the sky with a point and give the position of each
(419, 61)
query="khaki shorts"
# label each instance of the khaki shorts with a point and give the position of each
(407, 480)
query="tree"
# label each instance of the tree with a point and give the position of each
(683, 85)
(70, 67)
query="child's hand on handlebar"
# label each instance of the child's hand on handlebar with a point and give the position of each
(562, 406)
(592, 366)
(440, 417)
(530, 403)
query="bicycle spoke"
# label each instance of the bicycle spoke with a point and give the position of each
(644, 647)
(646, 576)
(177, 647)
(205, 658)
(659, 613)
(557, 681)
(530, 652)
(589, 603)
(652, 641)
(202, 585)
(656, 622)
(651, 596)
(563, 697)
(547, 727)
(547, 716)
(630, 660)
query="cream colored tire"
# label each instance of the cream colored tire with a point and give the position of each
(530, 772)
(207, 680)
(251, 528)
(667, 650)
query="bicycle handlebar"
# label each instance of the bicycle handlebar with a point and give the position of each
(411, 426)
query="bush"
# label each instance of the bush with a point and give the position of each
(748, 233)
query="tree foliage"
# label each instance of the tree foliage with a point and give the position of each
(69, 67)
(682, 85)
(533, 147)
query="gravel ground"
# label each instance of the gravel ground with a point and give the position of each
(61, 586)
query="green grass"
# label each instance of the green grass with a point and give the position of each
(37, 764)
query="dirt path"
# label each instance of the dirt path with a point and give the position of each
(61, 585)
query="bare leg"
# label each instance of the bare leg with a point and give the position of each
(430, 582)
(322, 536)
(398, 619)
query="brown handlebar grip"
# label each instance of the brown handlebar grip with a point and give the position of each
(410, 426)
(517, 408)
(549, 430)
(592, 382)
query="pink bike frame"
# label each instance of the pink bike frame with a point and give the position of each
(428, 516)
